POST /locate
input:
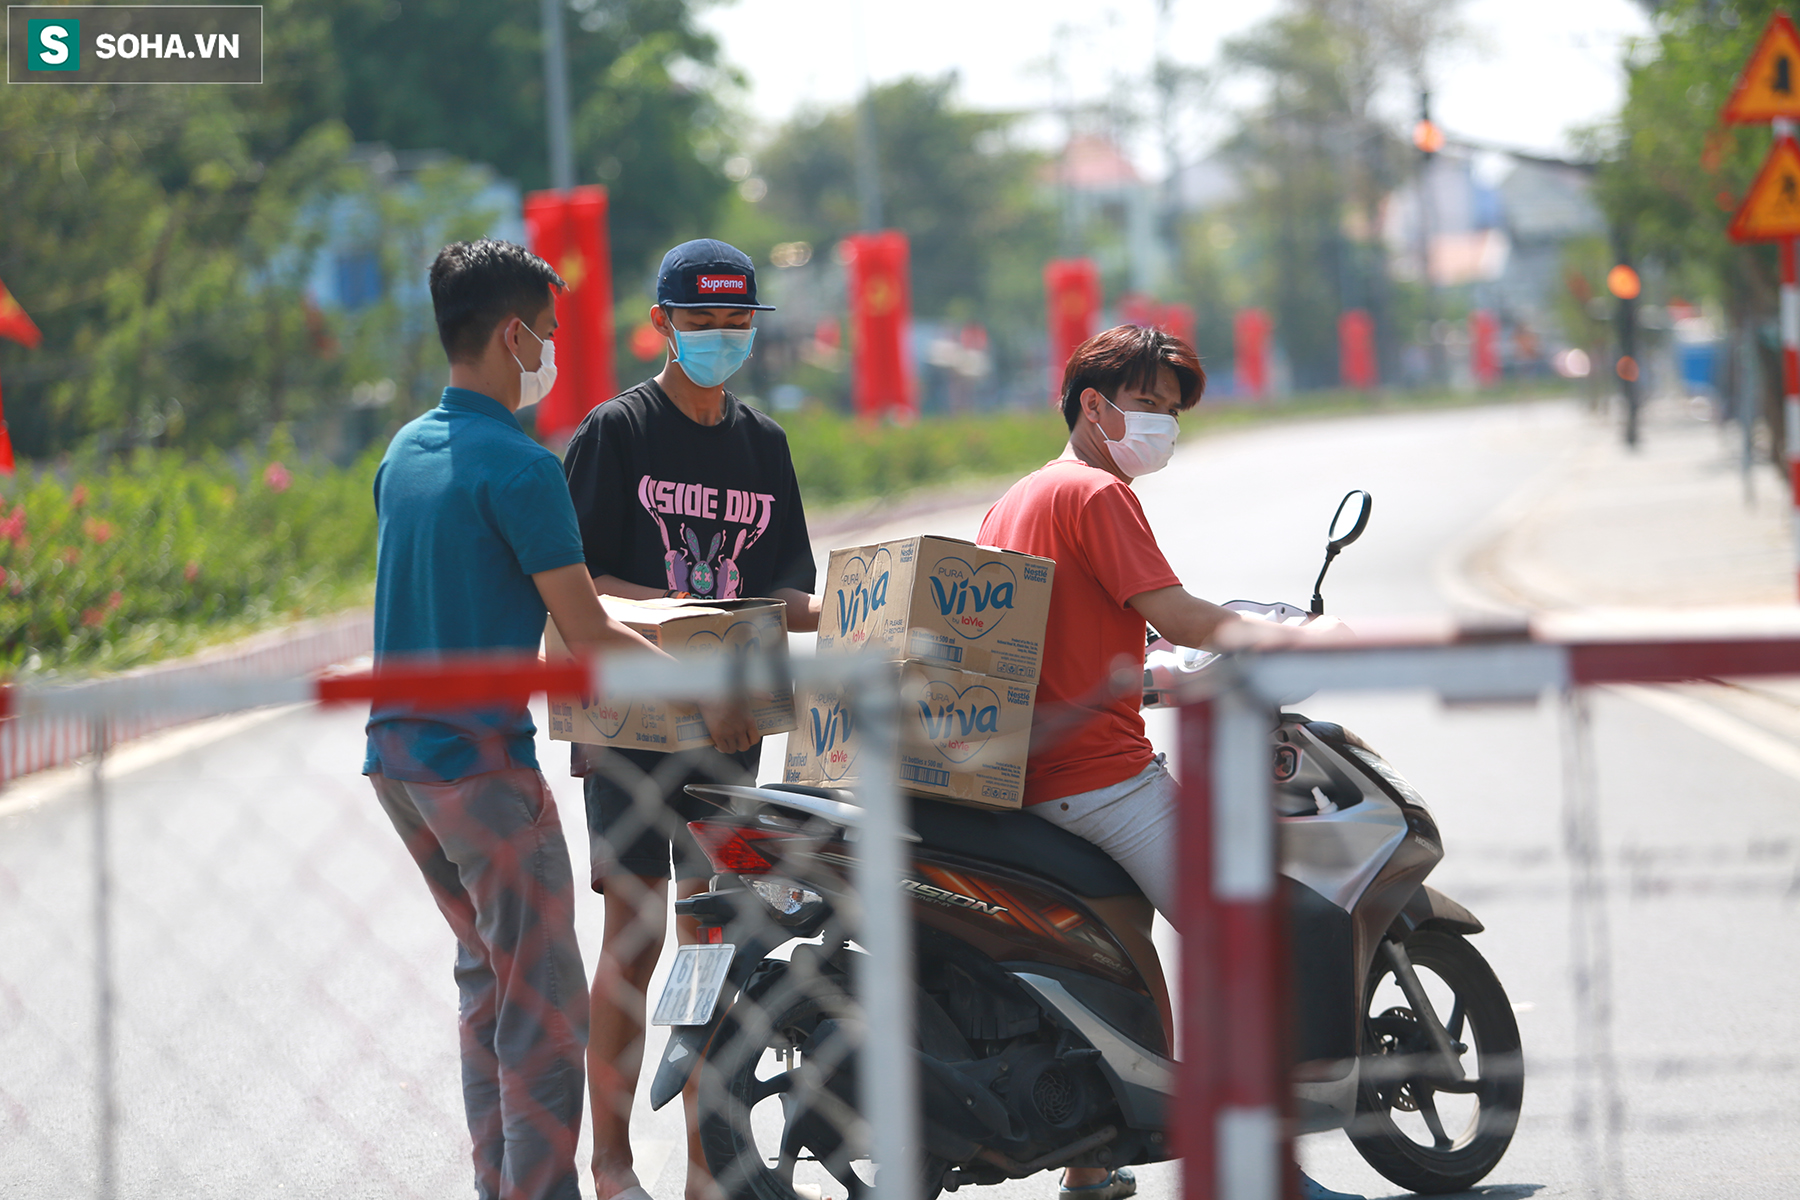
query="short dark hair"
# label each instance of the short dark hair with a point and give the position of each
(476, 285)
(1129, 356)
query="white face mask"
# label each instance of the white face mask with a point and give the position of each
(535, 385)
(1148, 443)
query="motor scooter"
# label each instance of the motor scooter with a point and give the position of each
(1038, 1036)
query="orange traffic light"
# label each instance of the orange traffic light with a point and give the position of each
(1623, 282)
(1428, 136)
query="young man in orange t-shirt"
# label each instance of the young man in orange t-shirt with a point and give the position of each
(1091, 770)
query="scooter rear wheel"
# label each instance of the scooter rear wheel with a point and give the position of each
(1423, 1136)
(778, 1095)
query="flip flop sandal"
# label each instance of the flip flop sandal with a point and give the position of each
(1116, 1186)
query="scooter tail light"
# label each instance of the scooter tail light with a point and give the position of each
(731, 849)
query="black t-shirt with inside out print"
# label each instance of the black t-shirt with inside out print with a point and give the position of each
(665, 502)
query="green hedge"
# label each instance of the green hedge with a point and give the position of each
(839, 458)
(109, 567)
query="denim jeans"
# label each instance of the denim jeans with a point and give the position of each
(491, 849)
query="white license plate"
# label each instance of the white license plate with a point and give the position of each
(694, 983)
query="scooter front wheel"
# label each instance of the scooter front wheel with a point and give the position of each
(1417, 1124)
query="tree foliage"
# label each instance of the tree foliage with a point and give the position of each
(163, 238)
(644, 82)
(967, 199)
(159, 254)
(1320, 159)
(1674, 174)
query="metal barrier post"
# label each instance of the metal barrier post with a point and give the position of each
(1192, 1128)
(889, 1088)
(1233, 1071)
(105, 1105)
(1253, 1144)
(1599, 1109)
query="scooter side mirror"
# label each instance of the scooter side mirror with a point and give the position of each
(1340, 540)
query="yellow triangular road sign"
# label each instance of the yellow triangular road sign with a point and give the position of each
(1771, 209)
(1770, 85)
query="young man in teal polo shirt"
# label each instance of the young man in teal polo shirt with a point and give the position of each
(477, 542)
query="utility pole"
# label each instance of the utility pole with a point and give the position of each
(868, 159)
(1168, 219)
(1622, 281)
(1062, 107)
(556, 97)
(1429, 139)
(868, 165)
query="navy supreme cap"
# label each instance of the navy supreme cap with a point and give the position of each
(707, 273)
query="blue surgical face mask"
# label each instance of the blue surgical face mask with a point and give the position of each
(711, 356)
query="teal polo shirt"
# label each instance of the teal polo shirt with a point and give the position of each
(468, 508)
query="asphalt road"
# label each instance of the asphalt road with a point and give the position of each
(285, 1010)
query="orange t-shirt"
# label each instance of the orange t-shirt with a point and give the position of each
(1090, 522)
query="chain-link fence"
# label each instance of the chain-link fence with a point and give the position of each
(1560, 972)
(223, 975)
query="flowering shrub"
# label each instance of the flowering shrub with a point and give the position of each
(156, 555)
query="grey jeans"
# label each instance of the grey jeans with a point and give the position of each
(492, 851)
(1134, 822)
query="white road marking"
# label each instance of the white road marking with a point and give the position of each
(1766, 748)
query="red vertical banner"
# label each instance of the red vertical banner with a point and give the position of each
(1356, 350)
(568, 231)
(17, 326)
(1250, 351)
(1484, 347)
(6, 454)
(880, 269)
(1072, 301)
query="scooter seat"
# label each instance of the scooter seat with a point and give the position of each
(1024, 842)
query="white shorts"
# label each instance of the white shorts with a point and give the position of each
(1134, 822)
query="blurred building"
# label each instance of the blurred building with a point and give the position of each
(1497, 227)
(371, 243)
(407, 196)
(1109, 212)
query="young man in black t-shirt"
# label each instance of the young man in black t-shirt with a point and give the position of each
(680, 489)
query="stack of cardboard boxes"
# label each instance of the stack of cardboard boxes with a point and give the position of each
(687, 629)
(964, 627)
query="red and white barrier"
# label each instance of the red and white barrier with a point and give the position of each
(1229, 1120)
(40, 741)
(1232, 1082)
(1790, 362)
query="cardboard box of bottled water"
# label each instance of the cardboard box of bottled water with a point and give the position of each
(962, 736)
(688, 629)
(941, 601)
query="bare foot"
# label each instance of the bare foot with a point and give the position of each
(611, 1181)
(700, 1186)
